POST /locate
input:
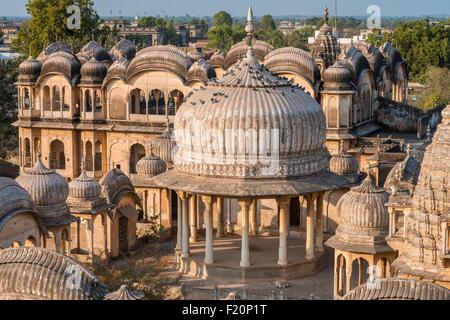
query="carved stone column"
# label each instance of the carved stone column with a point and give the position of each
(245, 248)
(283, 204)
(185, 230)
(179, 224)
(254, 218)
(319, 222)
(310, 227)
(193, 218)
(209, 250)
(220, 216)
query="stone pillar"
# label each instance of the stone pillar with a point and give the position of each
(209, 250)
(193, 218)
(310, 227)
(78, 236)
(348, 273)
(254, 218)
(219, 203)
(392, 226)
(283, 204)
(319, 222)
(90, 231)
(229, 227)
(105, 234)
(57, 234)
(199, 220)
(245, 250)
(185, 230)
(336, 274)
(341, 276)
(179, 224)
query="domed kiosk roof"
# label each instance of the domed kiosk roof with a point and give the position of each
(43, 274)
(363, 220)
(250, 133)
(49, 191)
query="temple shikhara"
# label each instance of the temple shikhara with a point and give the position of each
(258, 163)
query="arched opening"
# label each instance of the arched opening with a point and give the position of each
(46, 99)
(137, 152)
(138, 102)
(175, 101)
(294, 212)
(123, 234)
(26, 99)
(27, 152)
(98, 156)
(332, 112)
(87, 101)
(156, 102)
(98, 101)
(30, 242)
(174, 205)
(88, 156)
(56, 100)
(57, 155)
(65, 99)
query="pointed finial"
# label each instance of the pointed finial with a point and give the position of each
(249, 28)
(408, 150)
(83, 166)
(326, 14)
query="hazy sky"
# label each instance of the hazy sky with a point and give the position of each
(260, 7)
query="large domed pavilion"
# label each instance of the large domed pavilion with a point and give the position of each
(251, 135)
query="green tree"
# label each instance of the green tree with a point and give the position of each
(171, 35)
(220, 37)
(150, 22)
(204, 26)
(8, 106)
(422, 45)
(267, 23)
(299, 38)
(239, 33)
(276, 39)
(222, 18)
(377, 38)
(436, 93)
(48, 23)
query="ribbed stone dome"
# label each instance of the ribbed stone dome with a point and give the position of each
(29, 70)
(93, 72)
(345, 165)
(250, 123)
(84, 188)
(164, 146)
(162, 57)
(201, 70)
(364, 207)
(338, 76)
(45, 186)
(49, 191)
(151, 165)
